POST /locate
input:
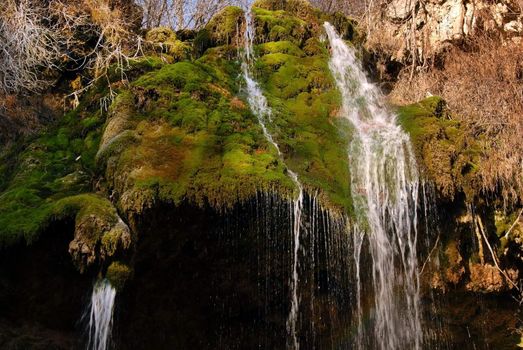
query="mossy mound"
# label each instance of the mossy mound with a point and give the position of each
(188, 137)
(280, 26)
(305, 103)
(449, 158)
(298, 21)
(185, 133)
(298, 8)
(57, 164)
(44, 187)
(117, 274)
(53, 177)
(225, 27)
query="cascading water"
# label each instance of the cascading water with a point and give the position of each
(261, 110)
(385, 185)
(101, 315)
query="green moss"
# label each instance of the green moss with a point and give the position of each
(280, 26)
(48, 173)
(449, 158)
(160, 35)
(301, 9)
(304, 100)
(224, 27)
(183, 132)
(117, 274)
(195, 141)
(202, 42)
(281, 47)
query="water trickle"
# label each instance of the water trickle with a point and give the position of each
(101, 315)
(260, 108)
(384, 183)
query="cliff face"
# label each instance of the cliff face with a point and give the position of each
(410, 30)
(175, 196)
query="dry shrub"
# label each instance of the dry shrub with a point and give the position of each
(28, 47)
(40, 38)
(483, 85)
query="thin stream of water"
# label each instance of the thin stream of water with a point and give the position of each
(259, 106)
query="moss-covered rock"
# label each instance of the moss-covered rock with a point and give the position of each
(117, 274)
(225, 27)
(56, 165)
(99, 231)
(299, 8)
(183, 132)
(280, 25)
(55, 177)
(448, 157)
(305, 104)
(192, 140)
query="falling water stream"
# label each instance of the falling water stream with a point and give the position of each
(101, 315)
(384, 184)
(260, 108)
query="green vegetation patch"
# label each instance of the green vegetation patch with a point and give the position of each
(449, 158)
(305, 106)
(183, 132)
(117, 274)
(193, 139)
(42, 178)
(58, 164)
(280, 25)
(225, 27)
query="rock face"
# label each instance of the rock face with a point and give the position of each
(417, 30)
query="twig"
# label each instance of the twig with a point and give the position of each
(430, 254)
(494, 257)
(478, 236)
(514, 223)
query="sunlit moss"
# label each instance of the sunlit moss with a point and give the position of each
(224, 27)
(305, 103)
(448, 157)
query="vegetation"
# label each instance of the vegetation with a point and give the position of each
(194, 112)
(52, 176)
(182, 132)
(304, 100)
(117, 274)
(483, 88)
(448, 156)
(194, 139)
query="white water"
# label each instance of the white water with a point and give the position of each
(385, 185)
(259, 106)
(101, 315)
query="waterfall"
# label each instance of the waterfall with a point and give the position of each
(101, 315)
(384, 182)
(259, 106)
